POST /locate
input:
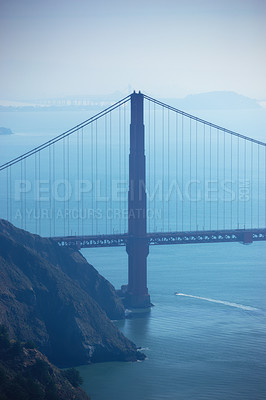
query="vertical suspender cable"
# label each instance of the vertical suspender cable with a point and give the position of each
(196, 162)
(231, 181)
(245, 177)
(238, 183)
(7, 192)
(119, 165)
(154, 161)
(258, 185)
(39, 203)
(218, 177)
(177, 170)
(10, 197)
(69, 190)
(78, 180)
(190, 173)
(168, 169)
(148, 157)
(54, 207)
(64, 179)
(50, 191)
(224, 181)
(265, 183)
(92, 182)
(106, 170)
(96, 176)
(182, 177)
(251, 186)
(126, 155)
(163, 194)
(25, 195)
(83, 212)
(111, 174)
(21, 195)
(204, 173)
(210, 200)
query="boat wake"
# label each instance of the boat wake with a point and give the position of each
(226, 303)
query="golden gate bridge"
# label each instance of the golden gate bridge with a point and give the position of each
(187, 181)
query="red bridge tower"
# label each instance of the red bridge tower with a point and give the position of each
(137, 246)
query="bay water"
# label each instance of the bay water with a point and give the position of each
(207, 342)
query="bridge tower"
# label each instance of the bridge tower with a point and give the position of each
(137, 246)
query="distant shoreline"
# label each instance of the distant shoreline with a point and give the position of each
(217, 100)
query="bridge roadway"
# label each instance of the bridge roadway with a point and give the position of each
(245, 236)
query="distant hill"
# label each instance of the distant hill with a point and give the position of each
(219, 100)
(52, 296)
(213, 101)
(5, 131)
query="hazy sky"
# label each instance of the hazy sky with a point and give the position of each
(161, 47)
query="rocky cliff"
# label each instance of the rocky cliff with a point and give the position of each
(26, 374)
(52, 296)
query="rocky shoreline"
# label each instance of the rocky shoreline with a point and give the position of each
(52, 296)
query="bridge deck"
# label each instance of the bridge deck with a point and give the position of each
(158, 238)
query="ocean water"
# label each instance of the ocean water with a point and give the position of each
(208, 342)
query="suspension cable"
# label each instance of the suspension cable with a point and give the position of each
(66, 133)
(203, 121)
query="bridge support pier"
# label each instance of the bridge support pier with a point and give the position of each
(136, 292)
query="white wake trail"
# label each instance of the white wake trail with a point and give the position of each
(226, 303)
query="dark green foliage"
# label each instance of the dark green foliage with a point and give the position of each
(30, 345)
(16, 390)
(34, 389)
(50, 392)
(40, 371)
(8, 349)
(15, 349)
(2, 375)
(23, 388)
(30, 383)
(73, 375)
(4, 339)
